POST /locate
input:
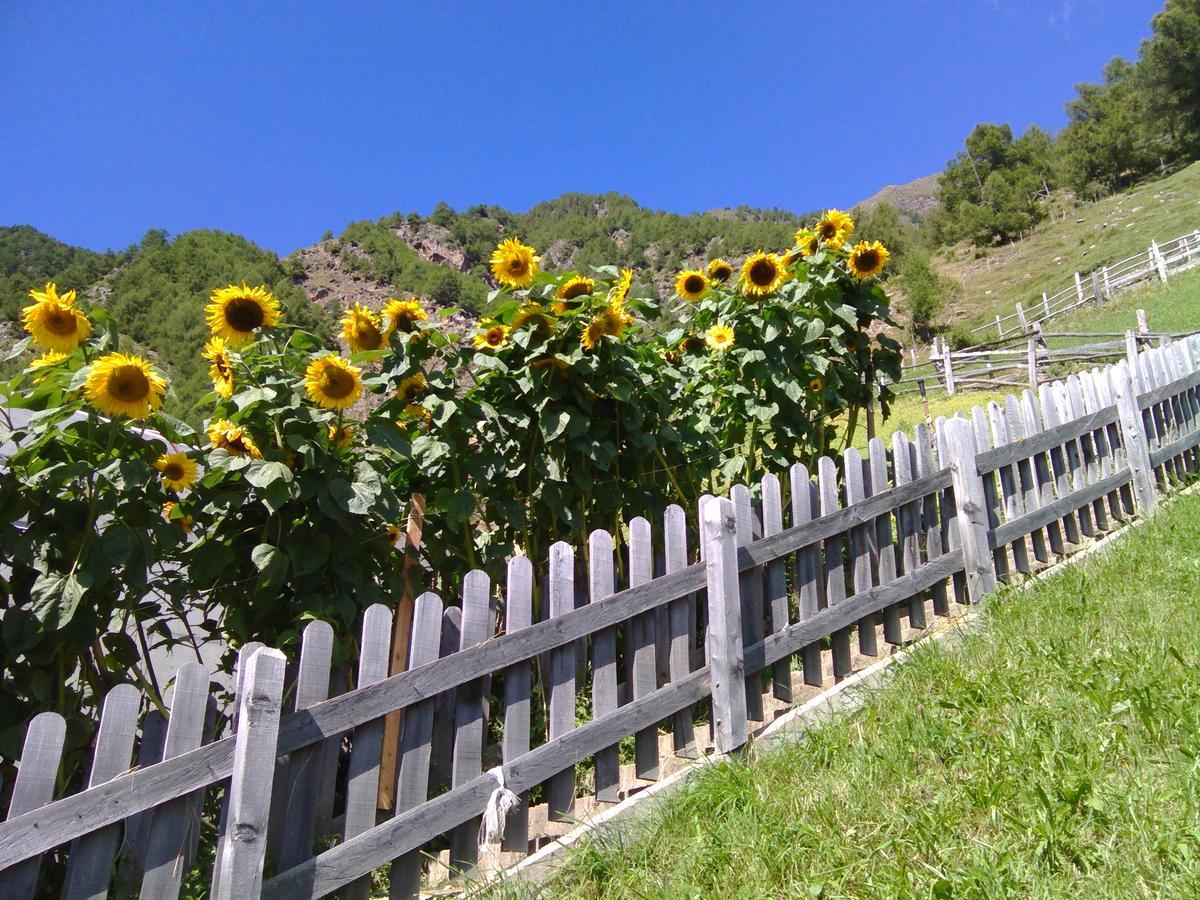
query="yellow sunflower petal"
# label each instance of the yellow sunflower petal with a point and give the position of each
(690, 284)
(719, 336)
(363, 329)
(867, 259)
(121, 385)
(178, 471)
(514, 264)
(236, 313)
(762, 274)
(54, 321)
(332, 382)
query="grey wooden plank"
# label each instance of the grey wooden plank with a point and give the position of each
(750, 587)
(1106, 461)
(89, 866)
(972, 514)
(602, 583)
(366, 746)
(886, 565)
(34, 788)
(1011, 495)
(243, 659)
(1175, 448)
(1089, 447)
(1034, 424)
(442, 748)
(560, 792)
(991, 491)
(1026, 480)
(834, 565)
(861, 540)
(810, 584)
(681, 622)
(244, 850)
(775, 584)
(169, 835)
(642, 631)
(87, 810)
(908, 525)
(306, 765)
(1061, 506)
(1073, 456)
(724, 611)
(469, 725)
(948, 510)
(131, 864)
(927, 465)
(410, 830)
(518, 692)
(1170, 389)
(1133, 440)
(429, 627)
(1043, 440)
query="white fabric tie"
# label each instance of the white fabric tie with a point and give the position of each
(498, 807)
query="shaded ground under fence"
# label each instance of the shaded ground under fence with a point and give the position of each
(723, 622)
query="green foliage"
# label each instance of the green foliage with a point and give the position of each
(28, 259)
(926, 292)
(884, 223)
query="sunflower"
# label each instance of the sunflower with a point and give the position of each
(362, 329)
(719, 270)
(693, 343)
(514, 264)
(762, 274)
(787, 257)
(620, 290)
(185, 522)
(412, 387)
(615, 320)
(545, 362)
(233, 439)
(835, 226)
(494, 336)
(868, 259)
(719, 336)
(45, 361)
(341, 435)
(178, 472)
(808, 241)
(595, 330)
(54, 321)
(690, 284)
(332, 382)
(570, 290)
(235, 313)
(535, 313)
(420, 413)
(402, 315)
(815, 385)
(394, 534)
(670, 356)
(121, 385)
(216, 351)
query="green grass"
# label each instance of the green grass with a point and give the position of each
(1093, 235)
(1054, 753)
(1173, 306)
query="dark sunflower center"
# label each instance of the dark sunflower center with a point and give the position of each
(61, 322)
(693, 284)
(369, 336)
(337, 383)
(244, 314)
(721, 272)
(173, 471)
(828, 230)
(516, 267)
(578, 289)
(762, 273)
(868, 260)
(129, 384)
(495, 336)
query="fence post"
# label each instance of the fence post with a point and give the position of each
(253, 772)
(1107, 285)
(1021, 317)
(1133, 436)
(1078, 288)
(1143, 322)
(948, 368)
(972, 519)
(1156, 257)
(725, 628)
(1045, 305)
(1096, 292)
(999, 326)
(1033, 379)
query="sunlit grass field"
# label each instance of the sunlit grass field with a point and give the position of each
(1053, 753)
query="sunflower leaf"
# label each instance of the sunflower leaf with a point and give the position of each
(55, 599)
(18, 348)
(271, 562)
(263, 474)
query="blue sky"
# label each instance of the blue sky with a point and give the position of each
(279, 120)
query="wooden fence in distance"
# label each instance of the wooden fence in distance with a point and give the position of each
(715, 629)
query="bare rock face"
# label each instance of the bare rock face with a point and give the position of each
(620, 237)
(558, 255)
(433, 243)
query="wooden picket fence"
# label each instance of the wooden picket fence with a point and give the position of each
(1157, 263)
(693, 653)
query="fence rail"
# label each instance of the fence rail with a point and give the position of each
(716, 627)
(1157, 262)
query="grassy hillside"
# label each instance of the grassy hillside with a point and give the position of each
(1092, 235)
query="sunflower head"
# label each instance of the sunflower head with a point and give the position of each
(719, 271)
(762, 274)
(362, 329)
(402, 315)
(834, 227)
(121, 385)
(615, 320)
(514, 264)
(54, 321)
(594, 332)
(690, 284)
(568, 295)
(216, 351)
(620, 290)
(185, 522)
(332, 382)
(47, 360)
(533, 314)
(233, 439)
(394, 534)
(815, 385)
(548, 362)
(692, 343)
(236, 313)
(415, 412)
(868, 259)
(412, 387)
(808, 241)
(341, 435)
(178, 472)
(494, 336)
(719, 336)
